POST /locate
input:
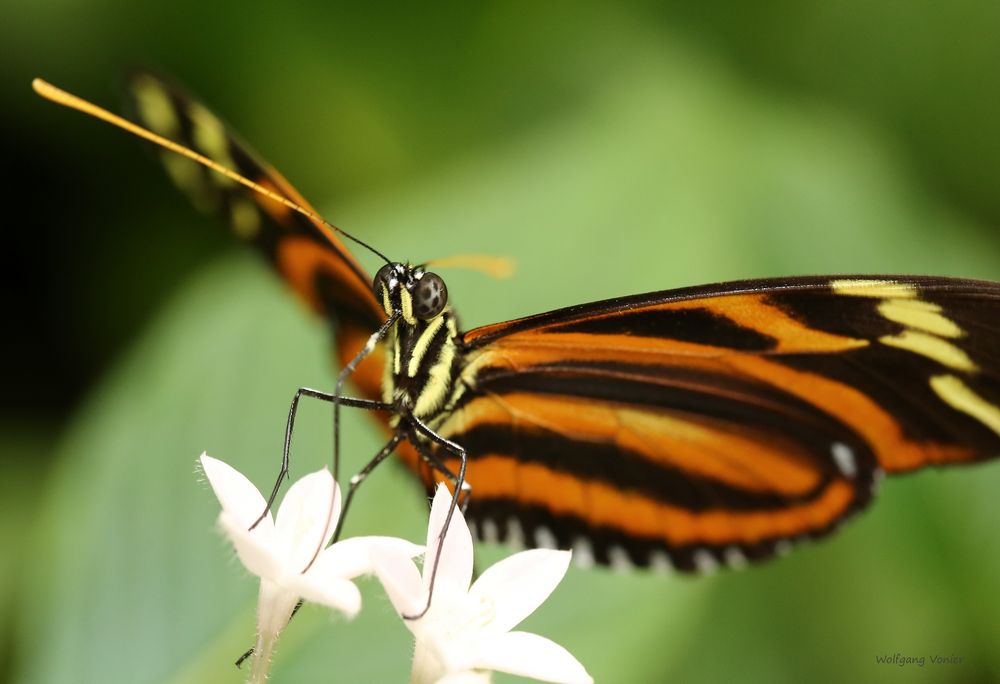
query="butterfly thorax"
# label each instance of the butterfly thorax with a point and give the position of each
(423, 344)
(423, 364)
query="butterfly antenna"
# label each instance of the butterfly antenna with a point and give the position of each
(493, 266)
(61, 97)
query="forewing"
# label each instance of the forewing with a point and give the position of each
(307, 254)
(721, 424)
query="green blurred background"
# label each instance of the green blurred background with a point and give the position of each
(609, 150)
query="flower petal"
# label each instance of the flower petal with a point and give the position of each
(307, 518)
(517, 585)
(236, 494)
(352, 557)
(401, 580)
(466, 677)
(334, 592)
(533, 656)
(454, 572)
(255, 548)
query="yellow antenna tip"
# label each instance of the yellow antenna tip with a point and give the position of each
(44, 88)
(494, 266)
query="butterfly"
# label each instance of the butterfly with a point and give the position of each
(690, 429)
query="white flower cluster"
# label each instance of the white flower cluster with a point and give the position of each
(464, 635)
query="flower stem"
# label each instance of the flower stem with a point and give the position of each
(260, 664)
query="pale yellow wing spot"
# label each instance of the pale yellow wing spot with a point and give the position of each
(187, 176)
(879, 289)
(926, 325)
(156, 108)
(61, 97)
(158, 112)
(932, 347)
(209, 135)
(962, 398)
(245, 218)
(919, 315)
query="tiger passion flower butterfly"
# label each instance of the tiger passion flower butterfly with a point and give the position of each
(690, 429)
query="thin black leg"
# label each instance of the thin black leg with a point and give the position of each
(382, 454)
(431, 459)
(246, 654)
(250, 651)
(360, 477)
(290, 427)
(337, 400)
(369, 347)
(459, 451)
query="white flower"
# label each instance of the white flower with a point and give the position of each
(288, 555)
(467, 630)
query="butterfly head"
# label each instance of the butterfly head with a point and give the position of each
(417, 294)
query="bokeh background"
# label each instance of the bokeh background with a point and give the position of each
(609, 150)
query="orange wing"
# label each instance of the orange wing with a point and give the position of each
(720, 424)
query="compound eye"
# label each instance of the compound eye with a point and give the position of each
(382, 278)
(429, 296)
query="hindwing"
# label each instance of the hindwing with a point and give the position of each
(719, 424)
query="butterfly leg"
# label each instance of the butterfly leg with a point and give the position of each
(362, 474)
(246, 654)
(290, 427)
(382, 454)
(250, 651)
(458, 451)
(345, 373)
(431, 459)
